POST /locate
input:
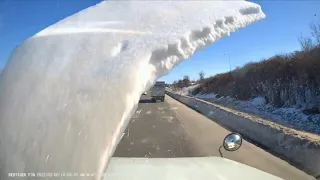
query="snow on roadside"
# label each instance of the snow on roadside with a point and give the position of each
(205, 96)
(258, 101)
(287, 116)
(300, 148)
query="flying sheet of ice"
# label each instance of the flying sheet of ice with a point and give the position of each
(68, 92)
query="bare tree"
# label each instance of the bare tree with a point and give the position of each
(305, 43)
(315, 31)
(180, 84)
(175, 84)
(201, 75)
(186, 81)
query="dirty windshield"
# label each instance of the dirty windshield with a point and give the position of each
(100, 89)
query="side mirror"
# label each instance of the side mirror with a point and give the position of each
(232, 142)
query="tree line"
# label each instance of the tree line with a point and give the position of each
(185, 81)
(285, 78)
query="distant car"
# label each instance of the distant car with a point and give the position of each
(145, 93)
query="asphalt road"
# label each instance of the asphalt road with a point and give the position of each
(171, 129)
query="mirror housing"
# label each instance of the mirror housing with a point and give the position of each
(232, 142)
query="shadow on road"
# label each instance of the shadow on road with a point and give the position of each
(145, 101)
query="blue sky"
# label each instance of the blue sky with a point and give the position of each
(286, 20)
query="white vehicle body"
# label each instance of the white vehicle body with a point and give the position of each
(196, 168)
(158, 91)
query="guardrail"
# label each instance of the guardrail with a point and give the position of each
(299, 152)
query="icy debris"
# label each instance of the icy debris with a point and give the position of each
(113, 52)
(48, 156)
(145, 140)
(168, 118)
(160, 108)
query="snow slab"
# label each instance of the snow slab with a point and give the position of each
(68, 92)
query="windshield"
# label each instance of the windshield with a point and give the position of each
(84, 82)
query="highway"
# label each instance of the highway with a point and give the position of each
(171, 129)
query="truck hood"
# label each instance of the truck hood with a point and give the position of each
(194, 168)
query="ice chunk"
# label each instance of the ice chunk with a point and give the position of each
(87, 72)
(258, 101)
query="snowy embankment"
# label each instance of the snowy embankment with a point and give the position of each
(68, 92)
(287, 116)
(300, 148)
